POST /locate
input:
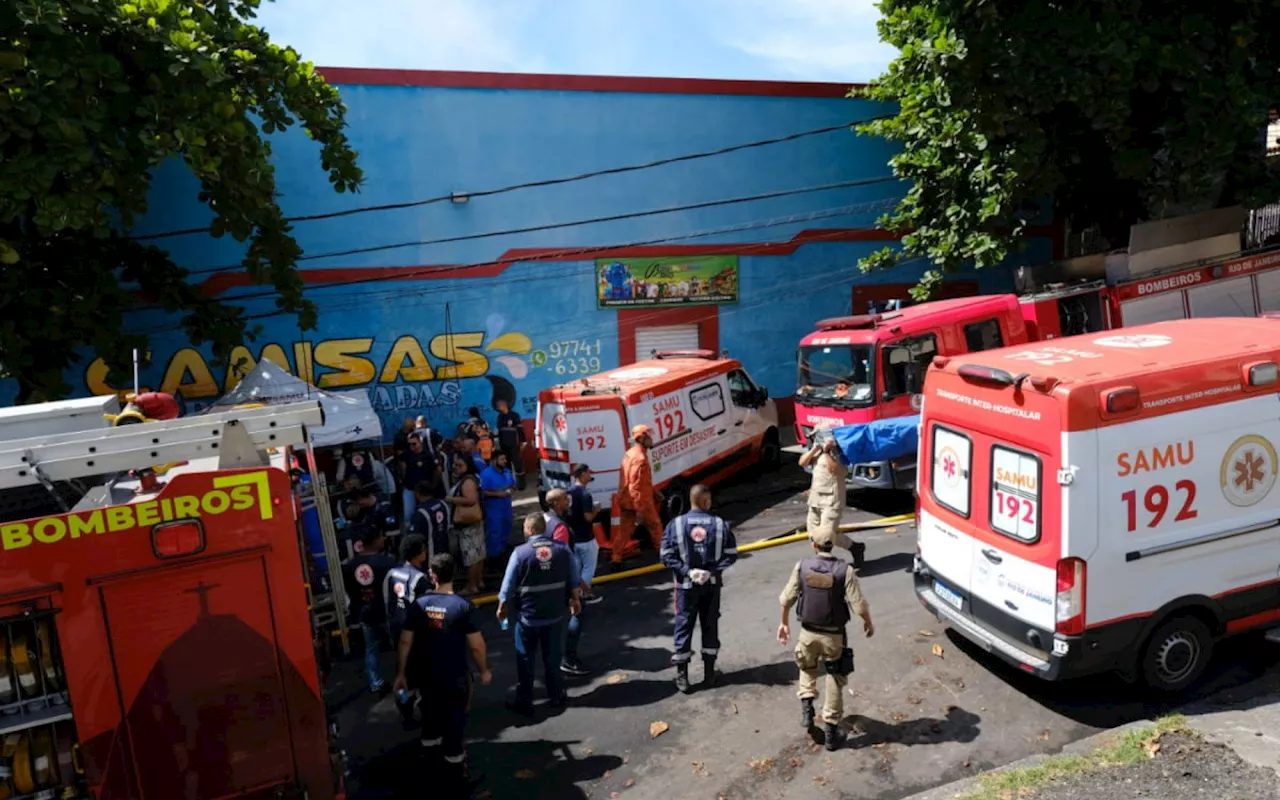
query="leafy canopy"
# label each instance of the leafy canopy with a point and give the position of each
(94, 95)
(1114, 111)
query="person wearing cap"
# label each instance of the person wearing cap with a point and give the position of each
(582, 524)
(825, 591)
(637, 499)
(827, 492)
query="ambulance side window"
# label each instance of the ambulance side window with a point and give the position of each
(983, 335)
(741, 390)
(1015, 494)
(952, 464)
(707, 401)
(905, 363)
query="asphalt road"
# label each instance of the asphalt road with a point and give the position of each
(929, 708)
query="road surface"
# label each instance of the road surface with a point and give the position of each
(930, 709)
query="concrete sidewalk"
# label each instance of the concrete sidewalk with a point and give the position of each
(1250, 728)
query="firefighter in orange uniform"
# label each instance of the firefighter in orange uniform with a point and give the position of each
(637, 498)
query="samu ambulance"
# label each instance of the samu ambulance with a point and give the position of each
(709, 421)
(1109, 505)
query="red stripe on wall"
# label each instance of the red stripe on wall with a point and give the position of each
(360, 76)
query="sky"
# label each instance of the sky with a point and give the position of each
(805, 40)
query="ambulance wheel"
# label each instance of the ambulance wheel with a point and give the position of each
(1177, 654)
(771, 451)
(675, 500)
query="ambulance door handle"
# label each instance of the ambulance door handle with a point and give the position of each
(992, 556)
(737, 424)
(721, 432)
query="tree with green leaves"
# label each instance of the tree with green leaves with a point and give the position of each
(94, 95)
(1106, 112)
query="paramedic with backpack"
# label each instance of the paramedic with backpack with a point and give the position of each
(637, 498)
(825, 591)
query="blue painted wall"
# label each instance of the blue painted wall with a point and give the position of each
(422, 142)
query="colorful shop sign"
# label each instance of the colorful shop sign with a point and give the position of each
(698, 280)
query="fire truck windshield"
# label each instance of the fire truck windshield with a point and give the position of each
(836, 376)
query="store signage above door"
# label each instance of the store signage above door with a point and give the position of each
(693, 280)
(1177, 281)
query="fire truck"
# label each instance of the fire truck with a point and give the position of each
(156, 632)
(870, 368)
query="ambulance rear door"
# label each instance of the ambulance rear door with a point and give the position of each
(596, 435)
(551, 437)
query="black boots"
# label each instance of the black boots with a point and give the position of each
(834, 735)
(709, 675)
(806, 713)
(859, 553)
(682, 678)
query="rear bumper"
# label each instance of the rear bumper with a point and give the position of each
(1071, 656)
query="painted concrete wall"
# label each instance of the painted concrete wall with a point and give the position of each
(521, 325)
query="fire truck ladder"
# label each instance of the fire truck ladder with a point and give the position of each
(238, 438)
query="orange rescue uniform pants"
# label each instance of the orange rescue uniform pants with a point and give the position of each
(626, 531)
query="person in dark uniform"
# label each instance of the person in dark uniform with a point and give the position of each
(366, 511)
(364, 577)
(511, 438)
(698, 547)
(439, 632)
(400, 588)
(544, 577)
(432, 519)
(825, 591)
(417, 464)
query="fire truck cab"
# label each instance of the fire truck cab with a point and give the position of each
(155, 636)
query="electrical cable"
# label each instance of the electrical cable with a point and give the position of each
(558, 255)
(469, 237)
(545, 182)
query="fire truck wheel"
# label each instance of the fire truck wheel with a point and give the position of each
(1177, 654)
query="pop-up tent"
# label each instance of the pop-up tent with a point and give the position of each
(348, 416)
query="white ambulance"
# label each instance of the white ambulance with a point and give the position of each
(709, 421)
(1107, 502)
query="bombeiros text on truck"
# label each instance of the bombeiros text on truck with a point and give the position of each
(1107, 506)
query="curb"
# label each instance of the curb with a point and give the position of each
(1079, 747)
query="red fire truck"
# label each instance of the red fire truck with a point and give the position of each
(870, 367)
(155, 637)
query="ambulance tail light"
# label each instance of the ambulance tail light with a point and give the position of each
(980, 374)
(1122, 401)
(1069, 602)
(1263, 373)
(176, 539)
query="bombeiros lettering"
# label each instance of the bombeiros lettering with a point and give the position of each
(243, 492)
(1171, 282)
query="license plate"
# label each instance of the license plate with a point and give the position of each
(946, 594)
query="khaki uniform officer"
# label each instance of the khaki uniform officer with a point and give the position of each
(825, 591)
(827, 492)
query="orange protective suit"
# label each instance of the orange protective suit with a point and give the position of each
(637, 501)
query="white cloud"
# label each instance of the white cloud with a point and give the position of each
(411, 34)
(833, 40)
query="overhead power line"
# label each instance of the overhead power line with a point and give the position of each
(575, 223)
(542, 183)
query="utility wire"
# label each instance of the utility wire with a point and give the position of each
(546, 182)
(575, 223)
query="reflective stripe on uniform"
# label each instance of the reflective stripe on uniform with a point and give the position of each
(710, 651)
(432, 742)
(682, 531)
(681, 658)
(719, 539)
(546, 587)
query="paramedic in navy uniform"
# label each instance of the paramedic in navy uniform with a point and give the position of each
(400, 588)
(698, 547)
(439, 632)
(546, 577)
(364, 576)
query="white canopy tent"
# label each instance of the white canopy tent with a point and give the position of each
(348, 416)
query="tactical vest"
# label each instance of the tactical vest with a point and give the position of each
(542, 579)
(554, 521)
(398, 593)
(827, 490)
(700, 542)
(821, 605)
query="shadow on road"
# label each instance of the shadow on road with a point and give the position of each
(530, 770)
(1243, 666)
(958, 726)
(894, 562)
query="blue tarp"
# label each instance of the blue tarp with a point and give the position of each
(881, 440)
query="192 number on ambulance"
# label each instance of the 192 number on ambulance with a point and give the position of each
(669, 424)
(1156, 502)
(590, 443)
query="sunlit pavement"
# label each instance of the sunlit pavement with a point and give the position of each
(925, 709)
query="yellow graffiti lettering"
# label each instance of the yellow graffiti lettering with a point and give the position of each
(15, 535)
(120, 518)
(95, 380)
(419, 369)
(303, 356)
(80, 524)
(186, 507)
(241, 362)
(188, 375)
(148, 513)
(344, 357)
(166, 509)
(464, 362)
(50, 530)
(242, 487)
(215, 502)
